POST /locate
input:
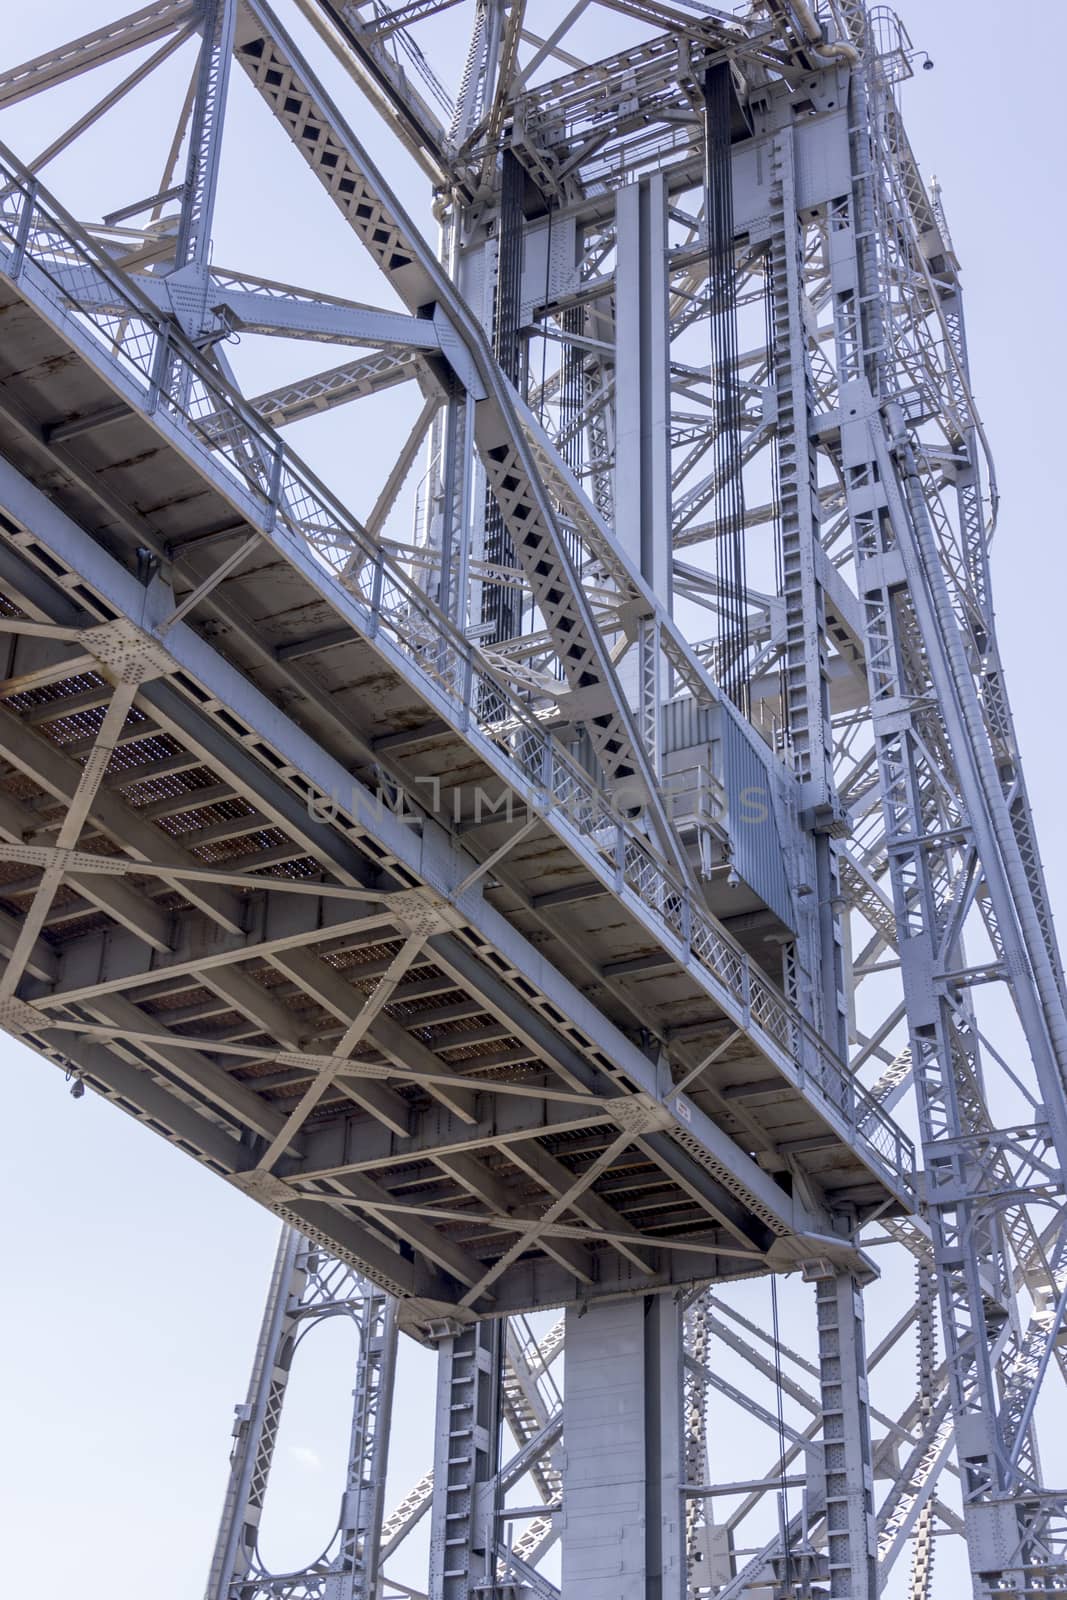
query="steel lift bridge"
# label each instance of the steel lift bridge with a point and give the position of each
(551, 867)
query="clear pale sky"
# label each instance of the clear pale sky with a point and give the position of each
(135, 1279)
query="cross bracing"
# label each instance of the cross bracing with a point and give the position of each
(558, 877)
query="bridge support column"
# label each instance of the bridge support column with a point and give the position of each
(463, 1529)
(642, 388)
(623, 1523)
(309, 1286)
(846, 1438)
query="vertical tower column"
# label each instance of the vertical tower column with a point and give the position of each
(846, 1439)
(643, 426)
(307, 1286)
(729, 497)
(256, 1424)
(642, 382)
(623, 1523)
(463, 1530)
(804, 565)
(363, 1506)
(502, 607)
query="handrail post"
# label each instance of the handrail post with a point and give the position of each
(22, 234)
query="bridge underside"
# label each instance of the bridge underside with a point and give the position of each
(284, 884)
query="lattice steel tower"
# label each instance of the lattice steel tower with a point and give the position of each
(557, 864)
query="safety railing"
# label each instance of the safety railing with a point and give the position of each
(86, 291)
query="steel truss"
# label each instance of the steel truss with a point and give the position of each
(555, 878)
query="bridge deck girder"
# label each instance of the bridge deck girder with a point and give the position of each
(523, 1033)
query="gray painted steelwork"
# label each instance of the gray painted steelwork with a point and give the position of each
(498, 902)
